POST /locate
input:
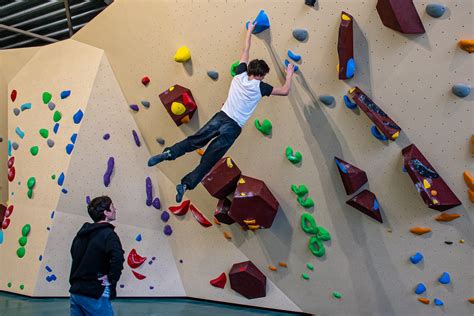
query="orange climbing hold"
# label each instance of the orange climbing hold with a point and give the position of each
(273, 268)
(282, 264)
(470, 193)
(424, 300)
(471, 300)
(200, 152)
(420, 230)
(227, 235)
(434, 192)
(444, 217)
(467, 45)
(469, 179)
(216, 221)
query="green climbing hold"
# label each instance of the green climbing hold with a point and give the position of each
(309, 266)
(57, 116)
(316, 246)
(293, 158)
(9, 284)
(34, 150)
(31, 183)
(233, 68)
(29, 193)
(22, 286)
(22, 241)
(44, 133)
(53, 177)
(308, 224)
(300, 190)
(323, 234)
(305, 276)
(336, 294)
(26, 230)
(46, 97)
(20, 252)
(265, 128)
(306, 203)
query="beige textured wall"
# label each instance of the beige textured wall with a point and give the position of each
(11, 62)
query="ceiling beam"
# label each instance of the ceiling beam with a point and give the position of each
(27, 33)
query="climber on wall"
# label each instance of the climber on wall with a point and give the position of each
(246, 90)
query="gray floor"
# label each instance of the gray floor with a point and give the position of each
(16, 305)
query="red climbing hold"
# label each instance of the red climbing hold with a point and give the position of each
(145, 80)
(11, 174)
(11, 161)
(9, 211)
(220, 281)
(134, 260)
(200, 217)
(3, 212)
(138, 275)
(5, 223)
(181, 209)
(13, 95)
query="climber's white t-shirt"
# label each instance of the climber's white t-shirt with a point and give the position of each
(244, 95)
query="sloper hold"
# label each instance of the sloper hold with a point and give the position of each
(400, 15)
(367, 203)
(345, 47)
(352, 177)
(382, 121)
(427, 181)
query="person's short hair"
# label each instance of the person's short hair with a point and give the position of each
(258, 67)
(97, 207)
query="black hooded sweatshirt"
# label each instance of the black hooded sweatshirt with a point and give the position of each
(96, 251)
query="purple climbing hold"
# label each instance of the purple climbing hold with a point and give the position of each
(88, 200)
(122, 286)
(134, 107)
(52, 214)
(135, 137)
(149, 191)
(165, 216)
(48, 269)
(150, 262)
(157, 203)
(108, 172)
(78, 117)
(56, 128)
(106, 136)
(69, 148)
(151, 287)
(167, 230)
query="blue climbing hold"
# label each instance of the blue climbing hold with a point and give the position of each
(287, 62)
(340, 166)
(69, 148)
(19, 132)
(444, 278)
(1, 237)
(78, 117)
(146, 104)
(214, 75)
(327, 99)
(51, 278)
(420, 288)
(376, 204)
(52, 214)
(438, 302)
(138, 238)
(262, 22)
(73, 138)
(25, 106)
(435, 10)
(56, 128)
(48, 268)
(294, 56)
(350, 68)
(65, 94)
(9, 148)
(376, 133)
(40, 258)
(404, 169)
(63, 190)
(61, 179)
(351, 105)
(461, 90)
(416, 258)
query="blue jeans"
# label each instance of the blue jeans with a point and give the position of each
(88, 306)
(223, 130)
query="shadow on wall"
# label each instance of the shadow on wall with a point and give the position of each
(327, 144)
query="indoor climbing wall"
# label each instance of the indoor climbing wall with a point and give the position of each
(367, 267)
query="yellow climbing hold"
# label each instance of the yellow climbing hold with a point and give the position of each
(241, 181)
(345, 17)
(461, 241)
(229, 163)
(243, 194)
(395, 136)
(171, 89)
(426, 184)
(183, 54)
(249, 221)
(351, 90)
(254, 227)
(177, 108)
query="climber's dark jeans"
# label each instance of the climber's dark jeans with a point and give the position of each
(223, 129)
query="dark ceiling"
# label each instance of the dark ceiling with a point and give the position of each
(43, 17)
